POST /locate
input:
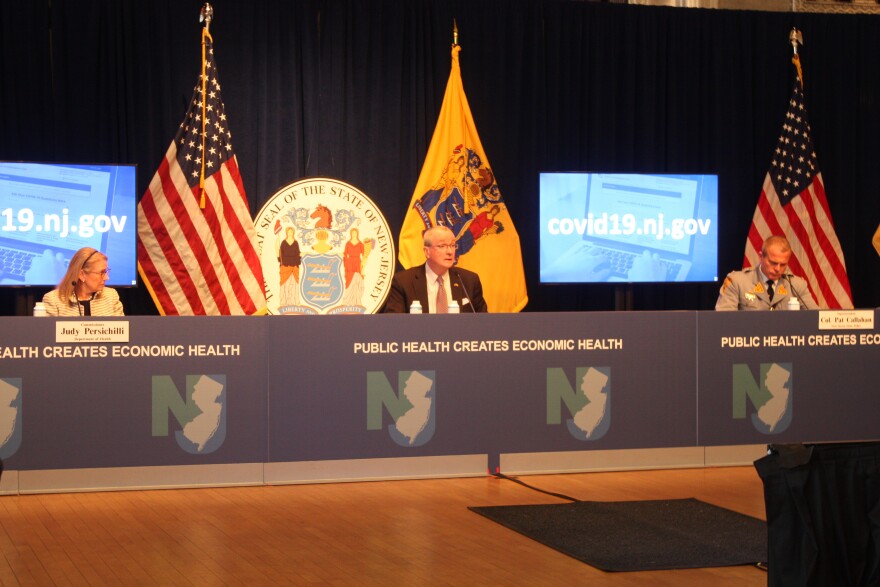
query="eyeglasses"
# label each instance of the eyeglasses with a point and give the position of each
(103, 273)
(446, 246)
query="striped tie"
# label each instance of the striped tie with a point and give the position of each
(442, 301)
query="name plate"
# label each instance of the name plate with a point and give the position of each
(91, 331)
(846, 320)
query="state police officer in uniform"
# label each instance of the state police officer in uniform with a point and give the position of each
(767, 286)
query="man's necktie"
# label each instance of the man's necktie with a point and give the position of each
(770, 289)
(442, 301)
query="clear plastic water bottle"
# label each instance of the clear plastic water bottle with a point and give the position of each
(793, 303)
(453, 307)
(415, 307)
(40, 309)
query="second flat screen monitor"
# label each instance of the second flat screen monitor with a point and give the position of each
(623, 227)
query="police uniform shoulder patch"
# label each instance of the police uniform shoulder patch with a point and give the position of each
(727, 282)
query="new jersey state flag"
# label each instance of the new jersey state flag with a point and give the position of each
(457, 189)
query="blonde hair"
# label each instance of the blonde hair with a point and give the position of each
(81, 260)
(776, 239)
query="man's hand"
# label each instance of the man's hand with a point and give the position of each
(46, 269)
(582, 263)
(647, 267)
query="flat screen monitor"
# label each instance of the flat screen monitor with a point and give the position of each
(625, 227)
(50, 210)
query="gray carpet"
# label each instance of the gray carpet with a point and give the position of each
(640, 535)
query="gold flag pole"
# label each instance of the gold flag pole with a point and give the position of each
(796, 38)
(454, 33)
(206, 15)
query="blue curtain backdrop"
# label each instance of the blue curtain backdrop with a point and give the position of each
(351, 89)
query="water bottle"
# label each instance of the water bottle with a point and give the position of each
(40, 309)
(793, 303)
(415, 307)
(453, 307)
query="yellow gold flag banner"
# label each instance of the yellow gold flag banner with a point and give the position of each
(876, 240)
(457, 188)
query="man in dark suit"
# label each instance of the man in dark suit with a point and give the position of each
(436, 283)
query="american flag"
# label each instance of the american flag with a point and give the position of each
(793, 204)
(196, 252)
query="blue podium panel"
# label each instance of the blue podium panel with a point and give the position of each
(776, 377)
(413, 385)
(628, 381)
(181, 391)
(223, 390)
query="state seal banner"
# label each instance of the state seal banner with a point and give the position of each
(196, 237)
(457, 188)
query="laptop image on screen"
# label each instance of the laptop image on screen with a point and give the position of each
(629, 214)
(38, 203)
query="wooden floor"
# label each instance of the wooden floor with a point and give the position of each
(379, 533)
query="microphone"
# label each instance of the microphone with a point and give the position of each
(788, 278)
(470, 301)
